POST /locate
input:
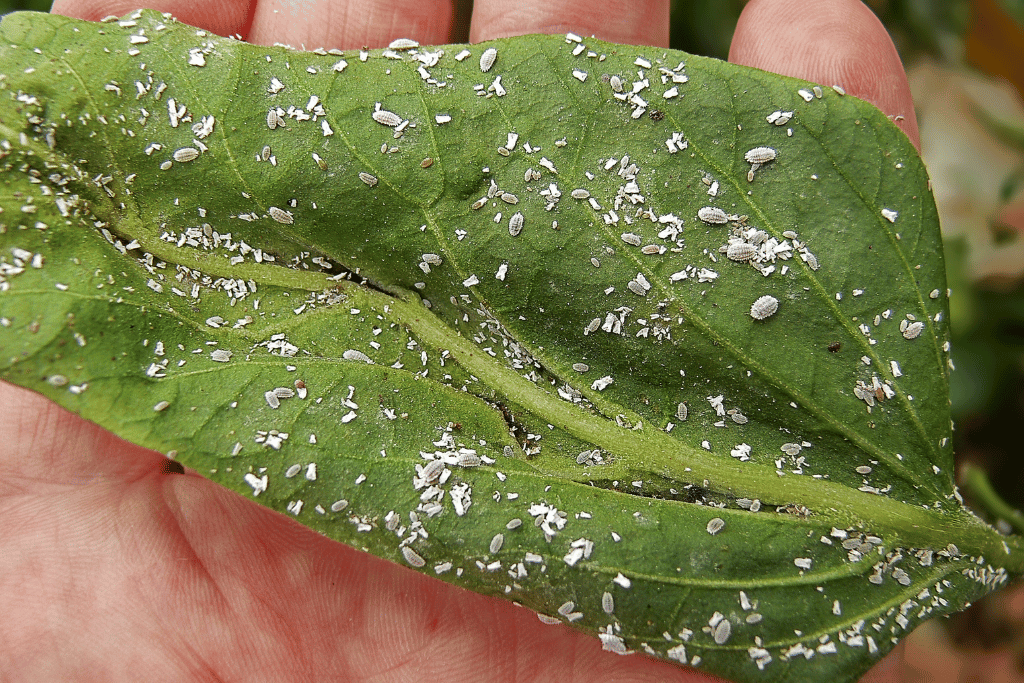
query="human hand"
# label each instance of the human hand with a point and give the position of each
(115, 566)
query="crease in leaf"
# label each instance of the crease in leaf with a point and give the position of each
(497, 324)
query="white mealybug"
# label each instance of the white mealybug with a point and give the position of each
(412, 557)
(161, 406)
(722, 632)
(682, 412)
(913, 330)
(186, 154)
(403, 44)
(466, 459)
(757, 157)
(616, 83)
(580, 367)
(716, 525)
(353, 354)
(487, 59)
(497, 542)
(509, 198)
(631, 238)
(432, 259)
(607, 602)
(741, 251)
(712, 215)
(764, 307)
(370, 180)
(272, 120)
(515, 224)
(386, 118)
(280, 215)
(580, 194)
(431, 471)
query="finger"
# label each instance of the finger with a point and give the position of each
(890, 669)
(348, 24)
(829, 42)
(43, 443)
(643, 22)
(223, 17)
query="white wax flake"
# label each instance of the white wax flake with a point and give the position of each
(802, 562)
(579, 75)
(471, 281)
(779, 117)
(895, 367)
(462, 55)
(502, 270)
(258, 484)
(441, 119)
(602, 383)
(622, 580)
(806, 94)
(890, 215)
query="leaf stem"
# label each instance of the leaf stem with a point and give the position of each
(980, 488)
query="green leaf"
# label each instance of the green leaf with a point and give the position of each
(256, 312)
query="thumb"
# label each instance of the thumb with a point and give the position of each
(831, 42)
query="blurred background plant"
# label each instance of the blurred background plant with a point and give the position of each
(965, 59)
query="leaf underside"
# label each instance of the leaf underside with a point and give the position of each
(227, 252)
